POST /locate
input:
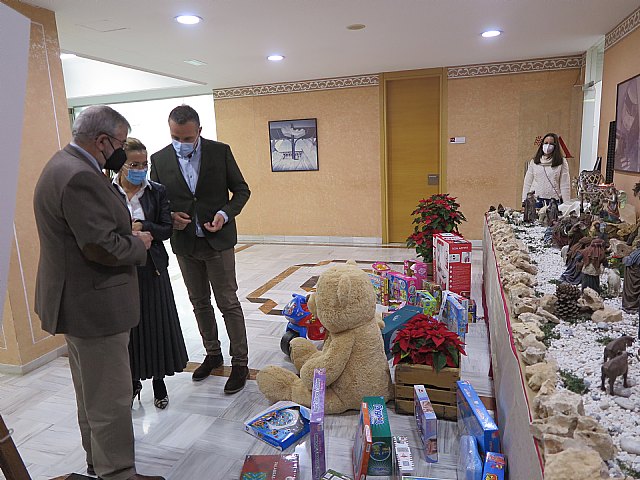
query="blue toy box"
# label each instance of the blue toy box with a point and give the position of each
(280, 425)
(495, 467)
(454, 314)
(474, 419)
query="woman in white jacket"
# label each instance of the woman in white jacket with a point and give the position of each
(548, 173)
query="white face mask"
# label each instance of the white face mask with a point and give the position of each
(547, 148)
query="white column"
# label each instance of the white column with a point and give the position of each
(592, 89)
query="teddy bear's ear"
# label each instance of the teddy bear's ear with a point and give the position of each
(351, 261)
(344, 290)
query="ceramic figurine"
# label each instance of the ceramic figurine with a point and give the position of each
(552, 212)
(594, 261)
(530, 208)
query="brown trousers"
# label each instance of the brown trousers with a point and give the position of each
(205, 267)
(102, 381)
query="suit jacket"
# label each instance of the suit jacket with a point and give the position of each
(157, 214)
(86, 284)
(219, 175)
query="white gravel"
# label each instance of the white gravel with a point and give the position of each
(578, 351)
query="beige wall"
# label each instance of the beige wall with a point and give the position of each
(500, 116)
(46, 128)
(621, 62)
(342, 198)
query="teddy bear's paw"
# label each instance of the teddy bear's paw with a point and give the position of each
(276, 383)
(301, 350)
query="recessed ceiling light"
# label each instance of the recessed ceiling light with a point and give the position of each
(195, 62)
(356, 26)
(275, 58)
(65, 56)
(491, 33)
(188, 19)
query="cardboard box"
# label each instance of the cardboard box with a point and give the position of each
(454, 315)
(273, 467)
(474, 419)
(427, 302)
(316, 424)
(403, 459)
(469, 461)
(280, 425)
(495, 466)
(422, 271)
(452, 262)
(435, 290)
(381, 457)
(426, 422)
(381, 286)
(403, 287)
(473, 310)
(333, 475)
(362, 444)
(394, 322)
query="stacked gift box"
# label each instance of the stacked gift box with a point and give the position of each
(452, 262)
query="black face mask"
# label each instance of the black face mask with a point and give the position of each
(116, 159)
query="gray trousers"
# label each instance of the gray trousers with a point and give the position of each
(102, 381)
(208, 269)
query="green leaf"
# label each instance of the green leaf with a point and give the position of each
(439, 361)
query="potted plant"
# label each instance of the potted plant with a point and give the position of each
(436, 214)
(423, 340)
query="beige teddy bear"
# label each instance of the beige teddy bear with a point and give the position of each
(353, 353)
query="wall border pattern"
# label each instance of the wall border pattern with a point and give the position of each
(297, 87)
(623, 29)
(517, 66)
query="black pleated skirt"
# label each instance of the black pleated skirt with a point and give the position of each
(156, 345)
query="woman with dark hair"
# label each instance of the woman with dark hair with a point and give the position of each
(156, 345)
(548, 173)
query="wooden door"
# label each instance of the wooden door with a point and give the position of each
(412, 138)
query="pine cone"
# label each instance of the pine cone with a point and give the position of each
(567, 304)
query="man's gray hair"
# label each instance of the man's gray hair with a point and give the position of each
(96, 120)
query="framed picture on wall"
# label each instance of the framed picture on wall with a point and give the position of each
(293, 145)
(627, 149)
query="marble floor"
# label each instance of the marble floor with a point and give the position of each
(200, 434)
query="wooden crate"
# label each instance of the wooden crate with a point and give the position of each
(441, 388)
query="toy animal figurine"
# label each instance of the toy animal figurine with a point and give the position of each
(563, 253)
(613, 281)
(530, 208)
(552, 212)
(617, 346)
(542, 214)
(617, 366)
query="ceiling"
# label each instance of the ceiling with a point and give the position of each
(236, 36)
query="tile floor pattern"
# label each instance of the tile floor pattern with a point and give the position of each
(200, 436)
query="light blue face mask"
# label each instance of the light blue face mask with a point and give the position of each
(184, 149)
(136, 177)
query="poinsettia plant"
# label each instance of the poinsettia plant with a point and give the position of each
(436, 214)
(423, 340)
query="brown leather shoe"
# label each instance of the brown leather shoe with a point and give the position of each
(211, 362)
(237, 379)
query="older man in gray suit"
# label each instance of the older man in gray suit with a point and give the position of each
(86, 286)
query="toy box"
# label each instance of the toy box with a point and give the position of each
(394, 322)
(316, 424)
(454, 315)
(427, 302)
(403, 459)
(380, 268)
(452, 262)
(495, 466)
(362, 445)
(381, 457)
(422, 271)
(473, 309)
(469, 461)
(435, 290)
(426, 422)
(474, 420)
(280, 425)
(381, 286)
(333, 475)
(272, 467)
(403, 287)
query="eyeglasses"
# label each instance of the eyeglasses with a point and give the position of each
(137, 166)
(122, 142)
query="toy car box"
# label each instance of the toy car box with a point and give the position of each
(452, 262)
(426, 422)
(362, 445)
(394, 322)
(381, 457)
(316, 424)
(280, 425)
(495, 467)
(474, 419)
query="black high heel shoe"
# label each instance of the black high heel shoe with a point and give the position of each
(160, 396)
(137, 388)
